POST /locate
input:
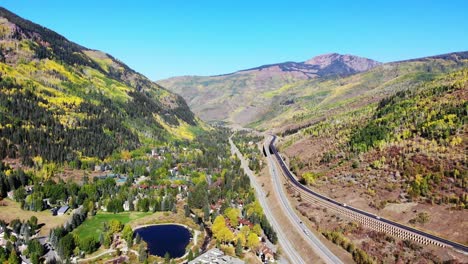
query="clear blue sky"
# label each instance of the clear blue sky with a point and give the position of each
(181, 37)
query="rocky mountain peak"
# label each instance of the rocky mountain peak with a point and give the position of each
(354, 63)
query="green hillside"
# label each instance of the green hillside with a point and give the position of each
(303, 103)
(406, 146)
(401, 156)
(64, 102)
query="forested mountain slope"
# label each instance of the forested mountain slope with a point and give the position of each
(64, 102)
(404, 153)
(303, 103)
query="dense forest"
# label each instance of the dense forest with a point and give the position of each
(30, 130)
(65, 103)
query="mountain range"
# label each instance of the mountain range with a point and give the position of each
(286, 93)
(233, 97)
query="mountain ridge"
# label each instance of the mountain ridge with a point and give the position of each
(455, 56)
(317, 97)
(224, 97)
(305, 64)
(68, 103)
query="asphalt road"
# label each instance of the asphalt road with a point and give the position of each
(286, 245)
(317, 245)
(455, 245)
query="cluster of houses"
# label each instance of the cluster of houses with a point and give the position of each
(156, 155)
(215, 256)
(264, 251)
(21, 246)
(102, 167)
(140, 183)
(54, 209)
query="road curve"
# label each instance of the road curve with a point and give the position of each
(325, 254)
(286, 245)
(289, 175)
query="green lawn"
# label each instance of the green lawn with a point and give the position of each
(93, 226)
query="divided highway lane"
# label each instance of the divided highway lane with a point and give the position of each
(287, 247)
(407, 228)
(317, 245)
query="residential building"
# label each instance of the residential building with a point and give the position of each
(62, 210)
(215, 256)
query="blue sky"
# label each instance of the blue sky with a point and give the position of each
(178, 37)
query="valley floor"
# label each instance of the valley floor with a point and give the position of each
(301, 247)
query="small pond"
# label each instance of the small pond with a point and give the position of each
(165, 238)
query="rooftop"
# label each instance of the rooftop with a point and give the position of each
(215, 256)
(63, 209)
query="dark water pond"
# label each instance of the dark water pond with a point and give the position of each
(165, 238)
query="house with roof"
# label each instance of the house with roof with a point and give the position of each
(215, 256)
(62, 210)
(266, 254)
(98, 168)
(217, 206)
(245, 222)
(217, 183)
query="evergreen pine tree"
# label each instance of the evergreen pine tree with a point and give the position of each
(167, 258)
(14, 258)
(190, 255)
(206, 212)
(239, 248)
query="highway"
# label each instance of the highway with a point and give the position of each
(317, 245)
(286, 245)
(294, 181)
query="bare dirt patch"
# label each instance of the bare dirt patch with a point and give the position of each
(399, 208)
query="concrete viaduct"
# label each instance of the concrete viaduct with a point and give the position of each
(364, 218)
